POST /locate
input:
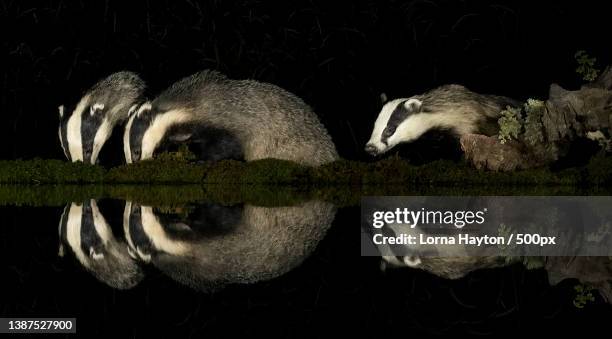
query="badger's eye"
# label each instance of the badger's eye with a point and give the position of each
(387, 133)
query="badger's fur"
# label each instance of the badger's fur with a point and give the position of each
(449, 267)
(449, 107)
(233, 118)
(85, 231)
(254, 244)
(417, 255)
(84, 129)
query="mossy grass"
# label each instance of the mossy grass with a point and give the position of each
(39, 171)
(171, 182)
(260, 195)
(389, 171)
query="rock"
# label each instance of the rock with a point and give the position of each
(604, 80)
(568, 118)
(488, 153)
(594, 271)
(571, 114)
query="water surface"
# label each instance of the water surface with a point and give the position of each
(201, 267)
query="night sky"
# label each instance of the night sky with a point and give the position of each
(336, 55)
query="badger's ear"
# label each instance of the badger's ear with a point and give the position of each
(60, 109)
(132, 110)
(413, 105)
(95, 107)
(383, 98)
(144, 107)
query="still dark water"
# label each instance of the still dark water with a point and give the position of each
(130, 270)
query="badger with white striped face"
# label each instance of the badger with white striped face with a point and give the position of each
(213, 245)
(150, 130)
(138, 122)
(228, 119)
(450, 107)
(399, 121)
(149, 234)
(85, 231)
(84, 129)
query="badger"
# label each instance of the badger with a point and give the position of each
(243, 119)
(204, 219)
(85, 231)
(84, 129)
(445, 261)
(450, 107)
(255, 243)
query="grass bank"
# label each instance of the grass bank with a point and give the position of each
(390, 171)
(172, 182)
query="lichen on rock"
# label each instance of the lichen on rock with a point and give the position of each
(510, 124)
(543, 132)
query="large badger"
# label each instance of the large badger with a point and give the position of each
(85, 231)
(84, 129)
(232, 118)
(450, 107)
(243, 244)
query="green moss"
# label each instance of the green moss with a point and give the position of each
(156, 195)
(534, 110)
(163, 170)
(532, 263)
(339, 172)
(261, 195)
(393, 171)
(586, 66)
(38, 171)
(510, 124)
(583, 295)
(266, 171)
(47, 195)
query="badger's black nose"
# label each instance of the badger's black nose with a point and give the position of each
(371, 149)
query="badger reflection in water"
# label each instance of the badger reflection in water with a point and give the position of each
(455, 261)
(593, 271)
(223, 245)
(85, 231)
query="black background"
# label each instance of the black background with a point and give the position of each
(337, 55)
